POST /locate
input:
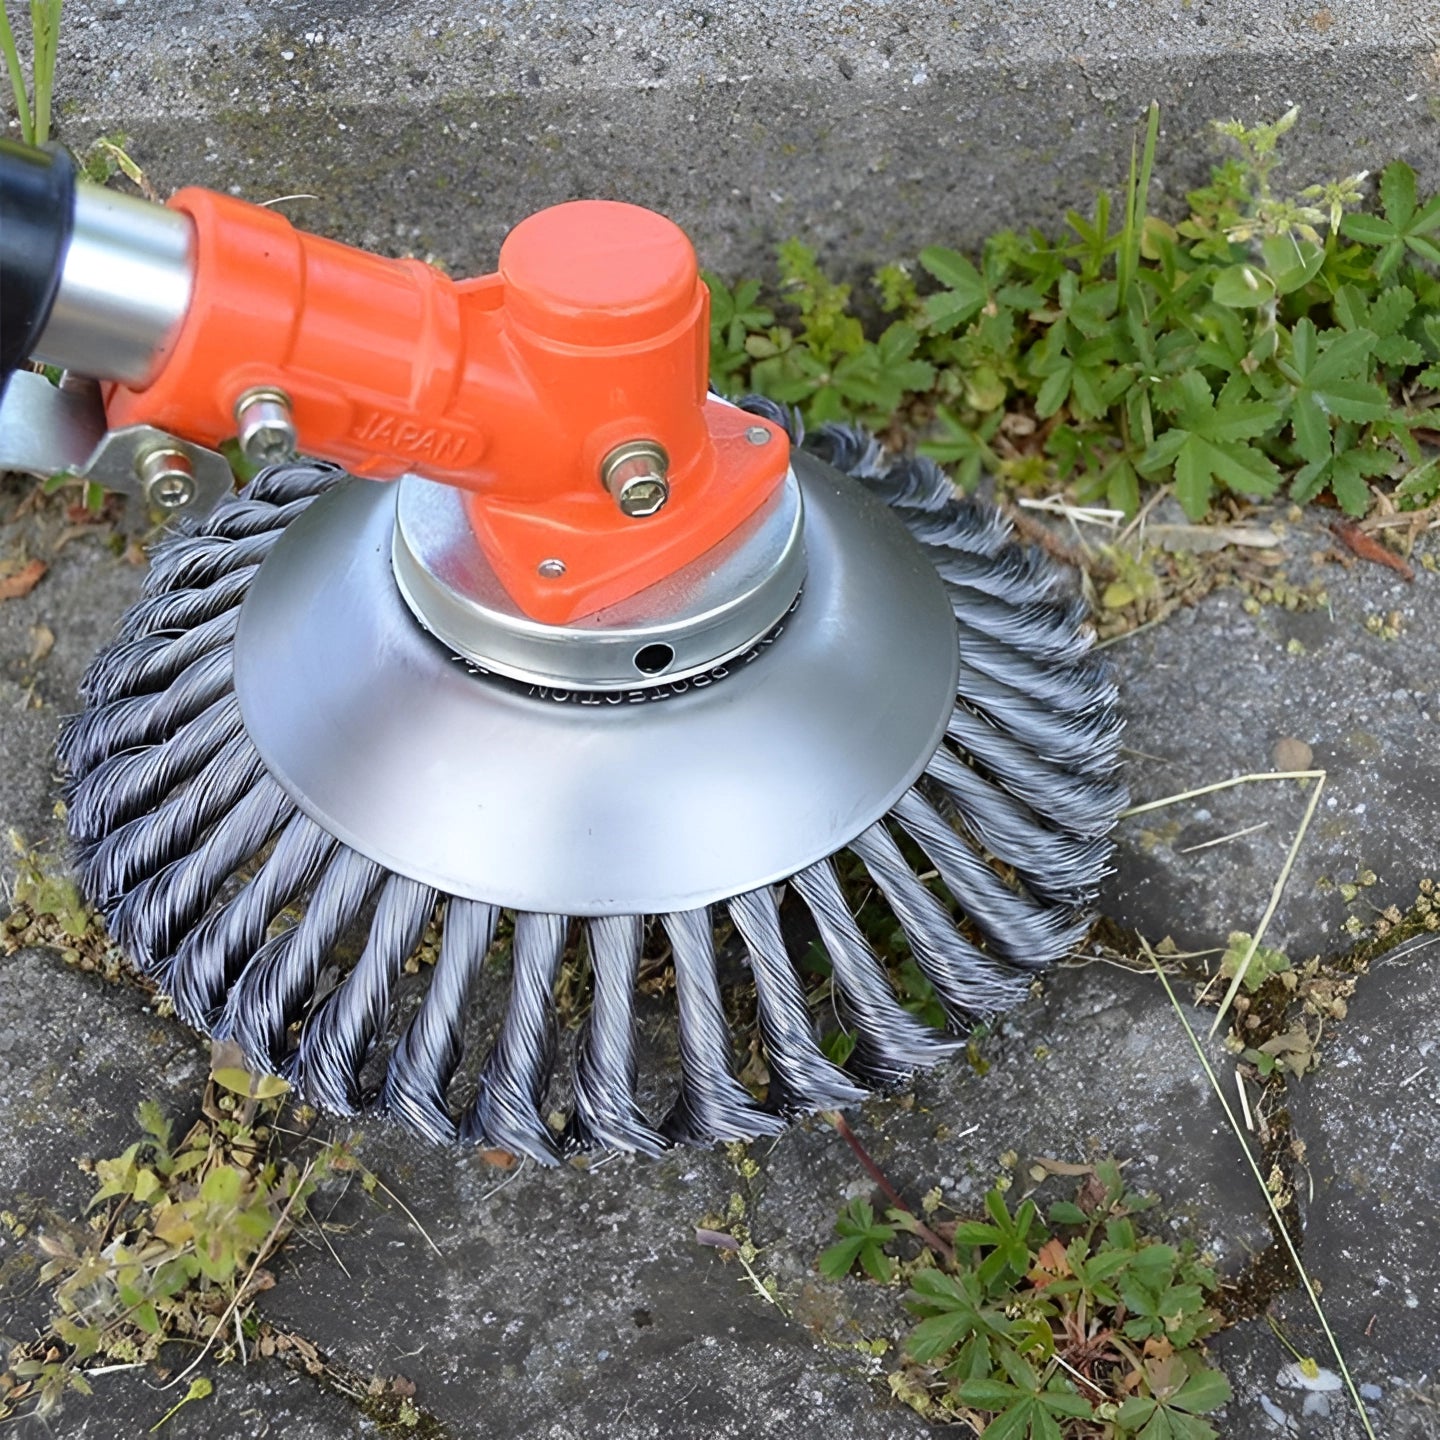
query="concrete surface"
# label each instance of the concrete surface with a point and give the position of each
(570, 1305)
(1210, 695)
(1368, 1117)
(564, 1304)
(869, 127)
(585, 1300)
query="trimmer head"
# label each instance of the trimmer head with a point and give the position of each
(614, 664)
(233, 834)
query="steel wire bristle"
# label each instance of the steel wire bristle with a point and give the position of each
(239, 904)
(428, 1053)
(208, 961)
(607, 1113)
(338, 1036)
(508, 1112)
(712, 1106)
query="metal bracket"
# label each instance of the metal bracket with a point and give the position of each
(50, 429)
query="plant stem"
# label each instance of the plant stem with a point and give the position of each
(867, 1163)
(17, 78)
(1270, 909)
(45, 27)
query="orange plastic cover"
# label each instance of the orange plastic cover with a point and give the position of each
(514, 386)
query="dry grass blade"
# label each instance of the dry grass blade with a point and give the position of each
(1278, 888)
(1085, 514)
(1224, 839)
(1265, 1191)
(409, 1215)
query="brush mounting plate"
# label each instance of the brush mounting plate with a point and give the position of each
(584, 804)
(707, 613)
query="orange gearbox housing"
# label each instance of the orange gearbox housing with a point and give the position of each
(513, 386)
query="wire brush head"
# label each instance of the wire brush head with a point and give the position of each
(248, 914)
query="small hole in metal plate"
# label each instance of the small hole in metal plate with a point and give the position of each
(654, 659)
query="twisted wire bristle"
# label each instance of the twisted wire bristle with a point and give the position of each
(241, 906)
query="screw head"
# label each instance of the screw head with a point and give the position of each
(643, 495)
(757, 435)
(265, 426)
(634, 474)
(168, 478)
(551, 569)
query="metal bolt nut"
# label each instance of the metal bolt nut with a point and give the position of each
(757, 435)
(168, 478)
(265, 426)
(634, 474)
(551, 569)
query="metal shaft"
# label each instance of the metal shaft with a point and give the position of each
(125, 285)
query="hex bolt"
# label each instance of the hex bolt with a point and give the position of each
(551, 569)
(757, 435)
(167, 476)
(634, 474)
(265, 426)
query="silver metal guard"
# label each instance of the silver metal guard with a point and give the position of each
(714, 609)
(579, 803)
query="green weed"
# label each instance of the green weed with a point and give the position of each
(174, 1249)
(1067, 1325)
(1267, 344)
(32, 104)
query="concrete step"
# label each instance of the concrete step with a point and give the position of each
(869, 127)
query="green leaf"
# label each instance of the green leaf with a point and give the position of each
(900, 370)
(1368, 229)
(199, 1389)
(1067, 1212)
(964, 446)
(1136, 1411)
(147, 1186)
(864, 1239)
(1397, 191)
(1330, 373)
(1243, 287)
(1420, 486)
(242, 1082)
(935, 1288)
(1204, 1391)
(964, 292)
(940, 1333)
(152, 1121)
(1402, 227)
(875, 1263)
(222, 1185)
(987, 1394)
(1348, 472)
(1207, 444)
(836, 1262)
(1386, 319)
(1290, 261)
(1061, 1401)
(977, 1232)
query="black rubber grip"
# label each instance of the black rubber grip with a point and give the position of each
(37, 211)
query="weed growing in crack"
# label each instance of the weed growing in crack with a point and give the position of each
(1071, 1324)
(1265, 344)
(32, 102)
(174, 1252)
(47, 909)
